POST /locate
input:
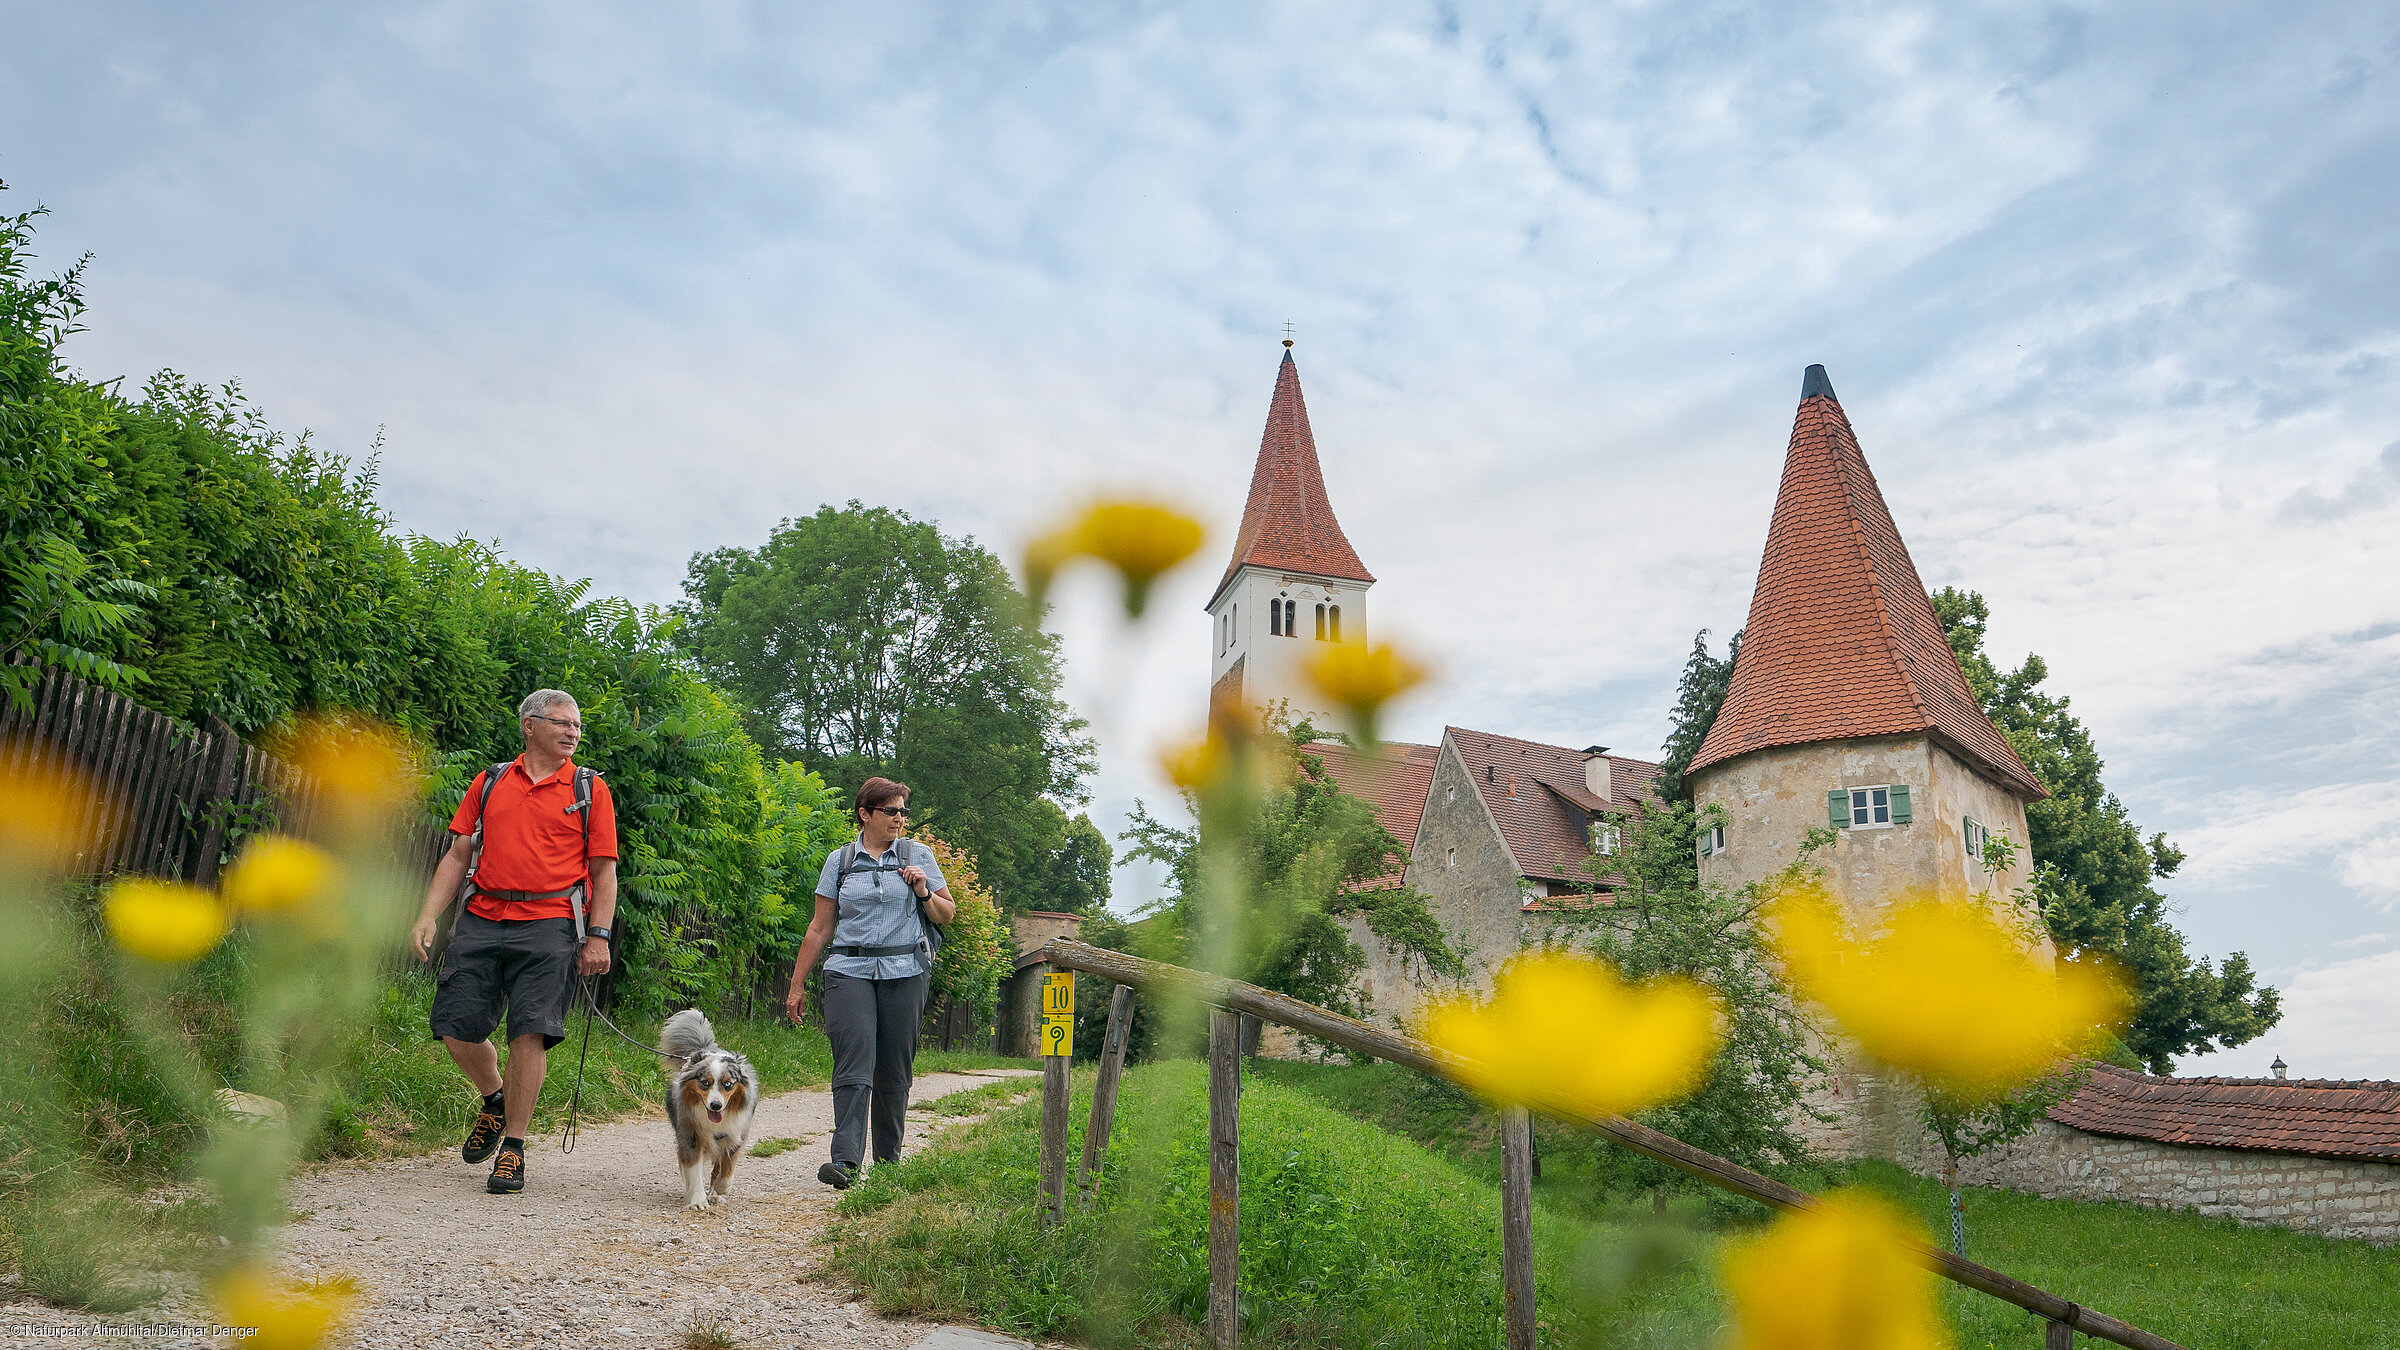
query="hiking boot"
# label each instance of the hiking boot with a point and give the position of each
(835, 1175)
(508, 1171)
(484, 1135)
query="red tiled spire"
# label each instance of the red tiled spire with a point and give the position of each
(1288, 524)
(1842, 641)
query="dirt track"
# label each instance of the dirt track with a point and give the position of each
(597, 1251)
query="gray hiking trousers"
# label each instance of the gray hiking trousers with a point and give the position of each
(873, 1026)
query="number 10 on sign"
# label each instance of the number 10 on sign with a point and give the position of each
(1058, 1013)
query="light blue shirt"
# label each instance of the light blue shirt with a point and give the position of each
(875, 908)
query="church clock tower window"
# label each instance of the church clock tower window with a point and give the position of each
(1320, 623)
(1333, 621)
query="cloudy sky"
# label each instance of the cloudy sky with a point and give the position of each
(2110, 294)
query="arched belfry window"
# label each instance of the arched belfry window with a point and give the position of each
(1333, 622)
(1320, 623)
(1274, 618)
(1291, 618)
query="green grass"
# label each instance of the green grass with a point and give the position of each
(768, 1148)
(1350, 1235)
(975, 1101)
(2200, 1281)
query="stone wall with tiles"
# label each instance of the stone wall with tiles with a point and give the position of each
(2332, 1196)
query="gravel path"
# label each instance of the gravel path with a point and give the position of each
(597, 1251)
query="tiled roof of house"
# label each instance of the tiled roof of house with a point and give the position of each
(1842, 640)
(2328, 1118)
(1538, 796)
(1396, 783)
(1288, 524)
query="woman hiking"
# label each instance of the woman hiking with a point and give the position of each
(878, 900)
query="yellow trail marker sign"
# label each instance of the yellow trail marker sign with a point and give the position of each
(1058, 1013)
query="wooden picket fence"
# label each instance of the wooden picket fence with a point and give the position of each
(1231, 1003)
(165, 798)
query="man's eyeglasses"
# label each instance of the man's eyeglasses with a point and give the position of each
(895, 812)
(576, 727)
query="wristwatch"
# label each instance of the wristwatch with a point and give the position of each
(600, 933)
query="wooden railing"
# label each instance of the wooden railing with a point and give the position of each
(1230, 1000)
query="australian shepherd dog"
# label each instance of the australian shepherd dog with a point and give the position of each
(709, 1102)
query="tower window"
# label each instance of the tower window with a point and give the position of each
(1712, 840)
(1333, 620)
(1451, 858)
(1870, 806)
(1320, 623)
(1233, 625)
(1291, 618)
(1977, 837)
(1274, 619)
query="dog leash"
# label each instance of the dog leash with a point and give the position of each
(591, 1009)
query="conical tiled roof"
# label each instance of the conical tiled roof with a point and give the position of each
(1288, 524)
(1842, 641)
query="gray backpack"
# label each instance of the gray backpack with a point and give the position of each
(853, 861)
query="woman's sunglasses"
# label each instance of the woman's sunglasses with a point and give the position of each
(896, 812)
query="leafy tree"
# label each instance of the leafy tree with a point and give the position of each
(865, 642)
(1664, 921)
(978, 950)
(1698, 696)
(2094, 871)
(69, 598)
(1305, 857)
(1968, 1128)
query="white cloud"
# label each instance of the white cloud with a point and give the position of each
(2353, 826)
(2337, 1023)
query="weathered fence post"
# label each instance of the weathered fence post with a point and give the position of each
(1058, 1053)
(2057, 1336)
(1104, 1095)
(1224, 1178)
(1054, 1139)
(1516, 1224)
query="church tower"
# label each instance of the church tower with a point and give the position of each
(1848, 709)
(1294, 581)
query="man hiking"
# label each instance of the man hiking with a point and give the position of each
(548, 836)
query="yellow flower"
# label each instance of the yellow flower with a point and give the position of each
(278, 873)
(37, 816)
(362, 770)
(1362, 678)
(1196, 765)
(1841, 1276)
(1564, 1032)
(1142, 540)
(163, 921)
(288, 1316)
(1945, 992)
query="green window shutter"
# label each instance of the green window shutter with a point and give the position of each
(1837, 808)
(1706, 838)
(1899, 803)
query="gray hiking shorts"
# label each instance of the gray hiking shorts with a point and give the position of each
(524, 965)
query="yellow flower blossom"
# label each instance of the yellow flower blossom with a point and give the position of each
(1841, 1276)
(1564, 1032)
(1945, 991)
(1195, 765)
(278, 874)
(163, 921)
(288, 1316)
(1142, 540)
(1362, 678)
(362, 770)
(37, 816)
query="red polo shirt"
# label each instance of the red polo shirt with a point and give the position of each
(532, 842)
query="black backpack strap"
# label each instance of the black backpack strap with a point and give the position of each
(483, 806)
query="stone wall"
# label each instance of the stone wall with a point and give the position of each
(2331, 1196)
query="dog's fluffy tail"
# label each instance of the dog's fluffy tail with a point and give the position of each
(686, 1034)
